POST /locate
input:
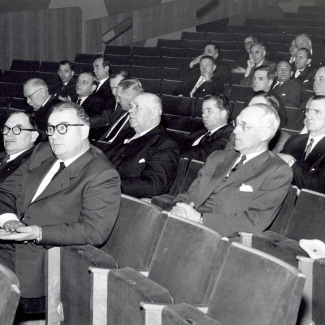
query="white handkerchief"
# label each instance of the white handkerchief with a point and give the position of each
(245, 188)
(305, 80)
(142, 160)
(283, 94)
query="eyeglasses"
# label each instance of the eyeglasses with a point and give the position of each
(311, 111)
(15, 130)
(30, 96)
(245, 127)
(61, 128)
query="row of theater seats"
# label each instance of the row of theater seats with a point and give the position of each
(151, 258)
(185, 262)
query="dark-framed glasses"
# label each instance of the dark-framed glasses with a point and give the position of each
(61, 128)
(15, 130)
(30, 96)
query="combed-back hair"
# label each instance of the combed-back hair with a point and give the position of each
(221, 100)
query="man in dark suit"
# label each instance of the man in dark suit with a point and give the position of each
(86, 97)
(263, 79)
(305, 153)
(38, 97)
(66, 194)
(67, 86)
(118, 127)
(146, 162)
(257, 59)
(102, 71)
(288, 90)
(240, 190)
(198, 85)
(216, 134)
(19, 136)
(303, 72)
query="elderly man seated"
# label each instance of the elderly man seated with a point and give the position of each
(241, 189)
(147, 161)
(203, 83)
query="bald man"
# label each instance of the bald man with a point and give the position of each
(146, 162)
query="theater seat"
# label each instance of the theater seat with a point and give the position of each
(253, 288)
(184, 269)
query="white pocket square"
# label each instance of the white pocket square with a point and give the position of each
(306, 80)
(142, 160)
(245, 188)
(283, 94)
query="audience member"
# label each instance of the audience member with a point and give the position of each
(210, 50)
(240, 190)
(118, 127)
(287, 89)
(146, 162)
(67, 86)
(240, 65)
(263, 79)
(216, 132)
(205, 83)
(304, 41)
(305, 153)
(102, 71)
(86, 97)
(19, 136)
(77, 206)
(115, 78)
(256, 59)
(38, 97)
(303, 73)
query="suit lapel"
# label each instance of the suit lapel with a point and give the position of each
(314, 155)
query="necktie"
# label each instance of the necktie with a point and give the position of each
(297, 73)
(205, 137)
(197, 85)
(232, 170)
(4, 162)
(62, 166)
(79, 101)
(308, 148)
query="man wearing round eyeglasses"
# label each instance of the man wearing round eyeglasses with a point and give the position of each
(242, 189)
(305, 153)
(37, 95)
(19, 136)
(67, 193)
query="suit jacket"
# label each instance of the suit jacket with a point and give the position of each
(42, 114)
(208, 87)
(309, 173)
(78, 207)
(290, 92)
(306, 77)
(217, 141)
(105, 92)
(147, 165)
(248, 81)
(12, 165)
(248, 200)
(65, 90)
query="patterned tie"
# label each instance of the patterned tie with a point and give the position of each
(308, 148)
(197, 85)
(232, 170)
(79, 101)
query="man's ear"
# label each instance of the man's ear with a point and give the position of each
(35, 135)
(308, 61)
(85, 132)
(214, 67)
(93, 88)
(266, 134)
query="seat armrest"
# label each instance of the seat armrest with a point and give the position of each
(246, 238)
(153, 312)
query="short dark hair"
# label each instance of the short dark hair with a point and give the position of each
(131, 84)
(64, 106)
(215, 46)
(221, 100)
(269, 70)
(64, 62)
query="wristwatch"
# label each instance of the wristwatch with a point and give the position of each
(291, 162)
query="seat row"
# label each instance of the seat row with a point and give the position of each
(151, 258)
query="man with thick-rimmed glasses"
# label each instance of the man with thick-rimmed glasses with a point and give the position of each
(37, 96)
(67, 193)
(242, 189)
(305, 153)
(19, 136)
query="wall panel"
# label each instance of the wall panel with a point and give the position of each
(49, 35)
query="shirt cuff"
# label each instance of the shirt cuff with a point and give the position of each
(6, 217)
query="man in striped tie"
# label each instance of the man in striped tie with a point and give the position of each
(305, 153)
(241, 189)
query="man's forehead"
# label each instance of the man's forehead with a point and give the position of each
(248, 39)
(86, 77)
(98, 61)
(317, 104)
(320, 73)
(283, 65)
(68, 115)
(302, 53)
(64, 66)
(256, 48)
(209, 47)
(260, 74)
(16, 119)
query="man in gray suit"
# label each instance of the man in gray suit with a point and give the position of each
(66, 194)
